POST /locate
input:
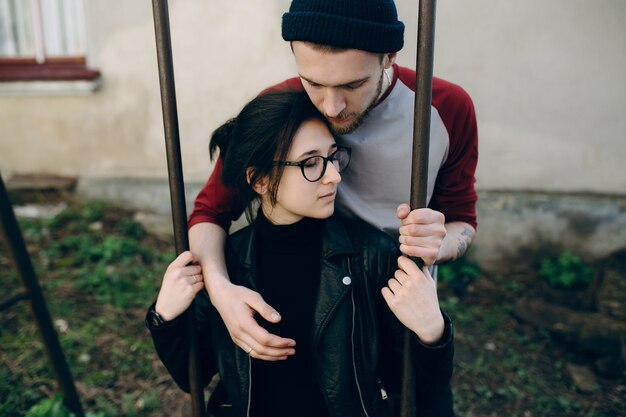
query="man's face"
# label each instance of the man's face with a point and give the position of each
(343, 85)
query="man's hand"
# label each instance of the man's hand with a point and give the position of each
(412, 296)
(425, 234)
(422, 232)
(237, 306)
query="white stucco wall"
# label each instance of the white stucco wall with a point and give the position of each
(548, 80)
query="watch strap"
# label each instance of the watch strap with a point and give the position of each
(154, 319)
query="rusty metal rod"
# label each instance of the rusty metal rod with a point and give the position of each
(175, 175)
(9, 301)
(419, 166)
(38, 303)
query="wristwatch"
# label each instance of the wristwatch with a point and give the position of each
(154, 319)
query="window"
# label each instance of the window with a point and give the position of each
(43, 40)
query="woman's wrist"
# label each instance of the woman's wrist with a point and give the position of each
(164, 313)
(432, 335)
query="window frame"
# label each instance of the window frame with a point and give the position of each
(52, 69)
(42, 67)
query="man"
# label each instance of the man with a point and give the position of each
(345, 52)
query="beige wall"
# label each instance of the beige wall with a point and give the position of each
(547, 78)
(224, 53)
(549, 83)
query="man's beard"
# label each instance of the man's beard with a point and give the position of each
(359, 117)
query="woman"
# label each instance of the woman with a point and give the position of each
(343, 292)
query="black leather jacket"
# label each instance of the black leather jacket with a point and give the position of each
(357, 340)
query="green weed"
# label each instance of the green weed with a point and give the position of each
(566, 271)
(49, 407)
(458, 274)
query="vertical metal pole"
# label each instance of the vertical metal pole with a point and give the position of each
(38, 303)
(419, 167)
(175, 175)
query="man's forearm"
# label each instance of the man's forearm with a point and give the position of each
(459, 237)
(206, 242)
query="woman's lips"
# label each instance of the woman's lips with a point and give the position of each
(329, 196)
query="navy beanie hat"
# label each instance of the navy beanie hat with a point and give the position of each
(368, 25)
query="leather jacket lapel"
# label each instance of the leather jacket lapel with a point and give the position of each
(335, 280)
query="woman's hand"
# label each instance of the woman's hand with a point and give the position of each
(412, 296)
(181, 283)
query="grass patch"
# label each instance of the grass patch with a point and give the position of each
(99, 271)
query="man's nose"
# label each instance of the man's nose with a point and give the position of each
(334, 103)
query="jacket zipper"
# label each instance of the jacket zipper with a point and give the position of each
(249, 386)
(383, 391)
(356, 379)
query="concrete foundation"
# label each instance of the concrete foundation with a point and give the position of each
(527, 226)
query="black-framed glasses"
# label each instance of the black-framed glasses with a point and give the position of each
(314, 167)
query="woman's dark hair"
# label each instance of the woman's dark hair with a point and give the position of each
(261, 134)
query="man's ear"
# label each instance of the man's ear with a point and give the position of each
(260, 186)
(390, 59)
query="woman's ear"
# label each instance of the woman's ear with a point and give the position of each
(260, 185)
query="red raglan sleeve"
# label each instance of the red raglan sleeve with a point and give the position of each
(217, 203)
(455, 195)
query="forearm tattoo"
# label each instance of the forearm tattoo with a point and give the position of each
(465, 239)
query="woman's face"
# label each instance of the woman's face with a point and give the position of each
(296, 197)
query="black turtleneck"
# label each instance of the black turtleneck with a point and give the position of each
(288, 265)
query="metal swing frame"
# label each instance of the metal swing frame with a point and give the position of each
(33, 293)
(419, 168)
